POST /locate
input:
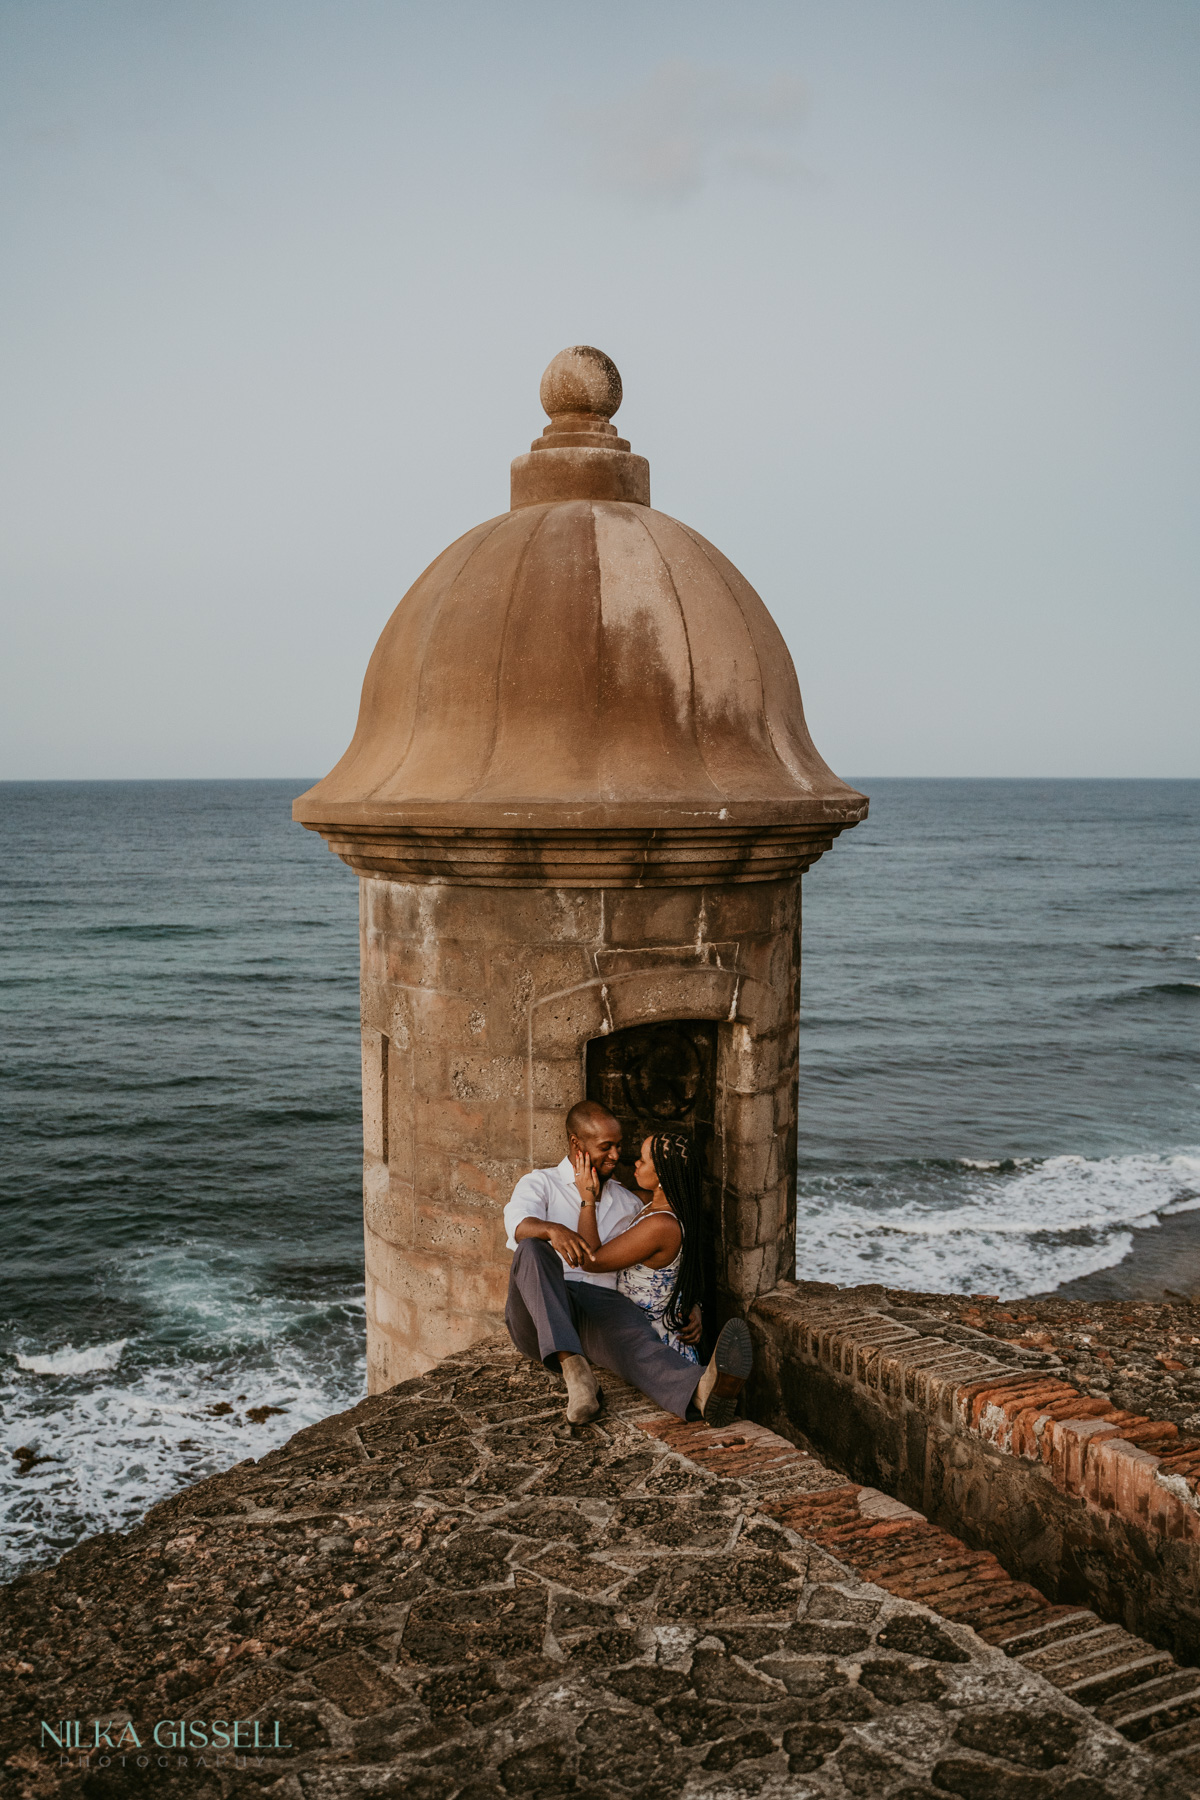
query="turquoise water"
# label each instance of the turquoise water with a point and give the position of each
(1000, 1063)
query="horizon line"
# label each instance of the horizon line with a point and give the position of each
(202, 780)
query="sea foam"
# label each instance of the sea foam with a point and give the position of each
(119, 1425)
(996, 1228)
(95, 1360)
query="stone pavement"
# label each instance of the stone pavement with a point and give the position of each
(1142, 1356)
(447, 1593)
(1128, 1683)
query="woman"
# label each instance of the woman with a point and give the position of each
(658, 1255)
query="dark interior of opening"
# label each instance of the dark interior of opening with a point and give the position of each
(652, 1077)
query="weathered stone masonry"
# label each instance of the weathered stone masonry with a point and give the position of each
(579, 800)
(478, 1006)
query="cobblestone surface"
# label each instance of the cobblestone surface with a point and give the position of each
(449, 1594)
(1143, 1356)
(1124, 1680)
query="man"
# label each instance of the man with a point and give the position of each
(566, 1316)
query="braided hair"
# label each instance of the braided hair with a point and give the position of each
(677, 1164)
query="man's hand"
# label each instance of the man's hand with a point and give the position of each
(570, 1246)
(690, 1333)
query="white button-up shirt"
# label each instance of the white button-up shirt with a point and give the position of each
(551, 1194)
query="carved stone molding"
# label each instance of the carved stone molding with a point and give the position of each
(581, 859)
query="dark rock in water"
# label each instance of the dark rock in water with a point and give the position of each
(27, 1459)
(407, 1605)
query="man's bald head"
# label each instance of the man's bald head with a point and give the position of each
(593, 1128)
(587, 1116)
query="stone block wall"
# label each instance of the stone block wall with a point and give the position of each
(477, 1008)
(1096, 1506)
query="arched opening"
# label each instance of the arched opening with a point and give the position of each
(658, 1076)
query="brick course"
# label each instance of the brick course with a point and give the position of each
(1124, 1680)
(1098, 1505)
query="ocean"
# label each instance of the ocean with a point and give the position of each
(1000, 1079)
(1000, 1037)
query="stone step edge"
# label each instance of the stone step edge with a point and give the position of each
(1091, 1449)
(1160, 1690)
(741, 1449)
(1096, 1641)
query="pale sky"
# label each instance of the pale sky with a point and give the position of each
(904, 296)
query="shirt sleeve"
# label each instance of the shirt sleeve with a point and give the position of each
(529, 1201)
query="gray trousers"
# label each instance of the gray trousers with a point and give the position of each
(547, 1314)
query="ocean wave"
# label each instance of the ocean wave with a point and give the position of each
(1148, 949)
(147, 931)
(1172, 990)
(1007, 1229)
(224, 1373)
(98, 1359)
(995, 1165)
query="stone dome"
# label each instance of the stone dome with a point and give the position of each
(580, 690)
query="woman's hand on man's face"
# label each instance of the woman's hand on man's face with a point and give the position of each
(587, 1181)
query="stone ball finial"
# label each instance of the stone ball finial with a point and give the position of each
(579, 455)
(581, 380)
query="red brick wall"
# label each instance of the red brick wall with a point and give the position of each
(1096, 1506)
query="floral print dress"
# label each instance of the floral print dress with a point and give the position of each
(651, 1290)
